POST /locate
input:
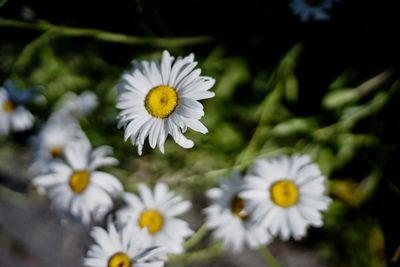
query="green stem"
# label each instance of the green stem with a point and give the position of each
(269, 107)
(210, 176)
(107, 36)
(207, 253)
(196, 238)
(268, 257)
(30, 50)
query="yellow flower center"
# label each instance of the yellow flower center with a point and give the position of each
(56, 151)
(313, 2)
(79, 180)
(237, 207)
(119, 259)
(8, 106)
(161, 101)
(152, 219)
(284, 193)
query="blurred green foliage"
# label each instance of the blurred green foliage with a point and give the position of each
(254, 114)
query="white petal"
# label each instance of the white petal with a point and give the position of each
(184, 142)
(155, 132)
(107, 182)
(133, 200)
(166, 67)
(77, 154)
(160, 191)
(93, 262)
(196, 125)
(188, 112)
(185, 71)
(134, 126)
(297, 223)
(146, 195)
(179, 209)
(316, 202)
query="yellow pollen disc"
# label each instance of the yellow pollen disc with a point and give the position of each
(79, 180)
(8, 106)
(56, 151)
(284, 193)
(119, 259)
(237, 207)
(313, 2)
(152, 219)
(161, 101)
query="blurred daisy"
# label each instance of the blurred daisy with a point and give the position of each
(157, 212)
(13, 114)
(158, 99)
(307, 9)
(287, 194)
(124, 248)
(231, 219)
(77, 105)
(75, 187)
(50, 143)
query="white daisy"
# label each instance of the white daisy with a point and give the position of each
(50, 143)
(13, 114)
(157, 212)
(231, 219)
(307, 9)
(158, 99)
(287, 194)
(77, 105)
(75, 187)
(124, 248)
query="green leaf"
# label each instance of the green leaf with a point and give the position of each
(235, 73)
(289, 61)
(340, 98)
(2, 2)
(291, 88)
(293, 127)
(342, 80)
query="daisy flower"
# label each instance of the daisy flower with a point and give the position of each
(125, 247)
(158, 99)
(13, 114)
(287, 194)
(78, 105)
(307, 9)
(231, 219)
(76, 187)
(50, 143)
(157, 212)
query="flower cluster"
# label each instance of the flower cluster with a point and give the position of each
(280, 196)
(156, 99)
(277, 197)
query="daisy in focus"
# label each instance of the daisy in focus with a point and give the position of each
(308, 9)
(231, 219)
(158, 99)
(13, 114)
(122, 248)
(156, 212)
(287, 194)
(76, 188)
(50, 143)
